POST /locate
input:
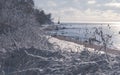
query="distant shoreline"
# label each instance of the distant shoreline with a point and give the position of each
(93, 22)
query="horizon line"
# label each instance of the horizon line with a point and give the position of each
(89, 22)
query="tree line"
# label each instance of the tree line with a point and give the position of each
(17, 13)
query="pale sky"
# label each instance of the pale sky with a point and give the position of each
(81, 10)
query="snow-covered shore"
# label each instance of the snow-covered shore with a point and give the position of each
(111, 48)
(76, 46)
(69, 46)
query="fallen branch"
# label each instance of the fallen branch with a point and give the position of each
(35, 56)
(30, 69)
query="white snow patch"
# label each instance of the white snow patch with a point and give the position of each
(65, 45)
(69, 46)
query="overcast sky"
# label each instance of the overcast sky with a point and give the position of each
(81, 10)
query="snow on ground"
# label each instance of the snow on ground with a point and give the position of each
(69, 46)
(65, 45)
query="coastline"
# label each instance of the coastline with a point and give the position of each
(93, 46)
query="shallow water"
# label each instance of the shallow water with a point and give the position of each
(83, 31)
